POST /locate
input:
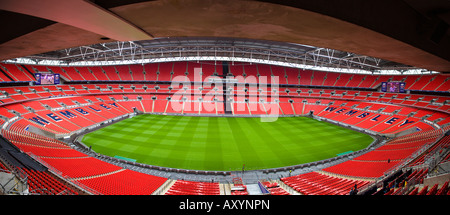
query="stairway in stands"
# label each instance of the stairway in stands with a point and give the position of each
(227, 105)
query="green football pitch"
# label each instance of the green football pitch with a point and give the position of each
(224, 143)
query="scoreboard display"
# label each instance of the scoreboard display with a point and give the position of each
(46, 79)
(393, 87)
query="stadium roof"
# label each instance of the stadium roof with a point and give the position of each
(405, 34)
(219, 49)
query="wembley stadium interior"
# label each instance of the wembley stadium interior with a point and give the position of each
(377, 67)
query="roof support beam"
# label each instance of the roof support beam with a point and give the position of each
(81, 14)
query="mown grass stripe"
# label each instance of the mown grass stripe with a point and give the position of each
(223, 143)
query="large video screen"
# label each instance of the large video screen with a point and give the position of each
(393, 87)
(46, 79)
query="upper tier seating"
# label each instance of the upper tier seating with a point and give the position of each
(185, 71)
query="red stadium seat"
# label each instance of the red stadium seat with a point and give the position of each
(72, 106)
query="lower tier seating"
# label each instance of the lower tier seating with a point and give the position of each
(315, 183)
(123, 182)
(363, 169)
(43, 183)
(182, 187)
